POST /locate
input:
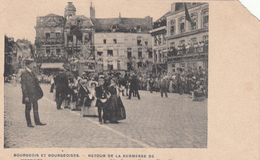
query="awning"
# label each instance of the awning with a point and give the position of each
(52, 66)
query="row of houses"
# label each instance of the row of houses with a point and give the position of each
(15, 53)
(89, 43)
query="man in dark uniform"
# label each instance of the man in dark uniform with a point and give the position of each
(134, 86)
(62, 87)
(32, 92)
(102, 95)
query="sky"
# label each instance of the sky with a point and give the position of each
(19, 16)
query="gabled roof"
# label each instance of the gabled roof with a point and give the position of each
(52, 15)
(84, 21)
(126, 24)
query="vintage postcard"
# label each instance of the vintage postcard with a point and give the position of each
(129, 80)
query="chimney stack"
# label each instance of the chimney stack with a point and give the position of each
(173, 7)
(92, 12)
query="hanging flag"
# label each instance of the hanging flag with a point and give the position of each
(187, 15)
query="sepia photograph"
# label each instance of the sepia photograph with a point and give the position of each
(124, 80)
(129, 80)
(84, 81)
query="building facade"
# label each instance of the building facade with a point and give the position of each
(89, 44)
(122, 43)
(187, 41)
(160, 47)
(49, 39)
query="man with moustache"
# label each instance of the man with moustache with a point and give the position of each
(32, 92)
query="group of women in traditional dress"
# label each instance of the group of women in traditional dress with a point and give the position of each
(95, 97)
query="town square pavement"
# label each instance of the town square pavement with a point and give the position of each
(152, 122)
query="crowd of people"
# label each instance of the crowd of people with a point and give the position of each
(194, 82)
(100, 94)
(94, 95)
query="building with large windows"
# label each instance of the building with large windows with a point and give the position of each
(160, 50)
(187, 39)
(122, 43)
(90, 44)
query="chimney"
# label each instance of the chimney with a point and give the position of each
(173, 7)
(119, 20)
(92, 12)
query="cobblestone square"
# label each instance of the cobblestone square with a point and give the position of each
(152, 122)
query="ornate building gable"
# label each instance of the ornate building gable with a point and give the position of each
(81, 21)
(50, 20)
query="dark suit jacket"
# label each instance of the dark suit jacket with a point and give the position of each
(30, 87)
(62, 85)
(134, 83)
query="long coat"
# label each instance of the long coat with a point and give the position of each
(62, 85)
(30, 87)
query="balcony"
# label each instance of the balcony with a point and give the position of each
(49, 41)
(187, 33)
(50, 59)
(188, 52)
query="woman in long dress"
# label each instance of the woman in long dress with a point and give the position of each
(116, 107)
(91, 109)
(113, 101)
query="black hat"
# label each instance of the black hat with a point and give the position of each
(28, 61)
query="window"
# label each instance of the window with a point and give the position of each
(205, 38)
(139, 64)
(99, 53)
(155, 55)
(182, 42)
(146, 43)
(104, 41)
(139, 53)
(160, 55)
(78, 21)
(48, 50)
(182, 25)
(129, 66)
(159, 40)
(172, 27)
(150, 54)
(194, 19)
(58, 34)
(182, 28)
(193, 40)
(114, 27)
(183, 65)
(47, 35)
(58, 51)
(139, 42)
(129, 53)
(138, 28)
(110, 64)
(173, 65)
(205, 18)
(118, 65)
(164, 39)
(115, 41)
(109, 52)
(155, 40)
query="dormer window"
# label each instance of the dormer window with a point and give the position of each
(139, 41)
(138, 28)
(114, 27)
